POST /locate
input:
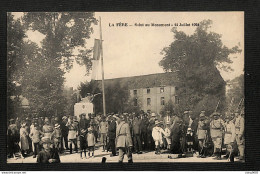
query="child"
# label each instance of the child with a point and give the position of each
(157, 136)
(83, 143)
(190, 140)
(167, 133)
(91, 139)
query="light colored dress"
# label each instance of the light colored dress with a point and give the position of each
(24, 139)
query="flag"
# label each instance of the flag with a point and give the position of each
(97, 49)
(96, 56)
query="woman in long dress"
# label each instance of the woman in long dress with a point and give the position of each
(24, 139)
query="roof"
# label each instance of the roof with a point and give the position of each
(145, 81)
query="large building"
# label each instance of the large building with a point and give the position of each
(150, 92)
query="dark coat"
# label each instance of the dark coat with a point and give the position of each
(44, 156)
(137, 126)
(144, 125)
(64, 129)
(82, 124)
(112, 130)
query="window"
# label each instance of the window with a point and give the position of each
(135, 92)
(148, 101)
(162, 90)
(177, 100)
(135, 102)
(162, 100)
(148, 90)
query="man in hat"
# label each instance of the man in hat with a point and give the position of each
(175, 135)
(216, 130)
(124, 140)
(229, 138)
(73, 131)
(202, 132)
(144, 129)
(103, 129)
(151, 145)
(56, 136)
(35, 135)
(52, 122)
(112, 135)
(64, 133)
(137, 134)
(82, 121)
(47, 129)
(48, 154)
(239, 129)
(12, 138)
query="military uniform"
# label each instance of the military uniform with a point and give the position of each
(137, 135)
(72, 136)
(239, 130)
(229, 138)
(202, 132)
(216, 130)
(112, 137)
(124, 141)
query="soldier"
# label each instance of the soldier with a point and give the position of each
(202, 134)
(103, 129)
(216, 130)
(112, 135)
(144, 127)
(151, 144)
(123, 140)
(64, 133)
(72, 136)
(47, 129)
(82, 121)
(239, 129)
(13, 138)
(137, 134)
(229, 138)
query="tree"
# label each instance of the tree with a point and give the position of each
(195, 59)
(15, 64)
(169, 106)
(64, 33)
(116, 97)
(235, 93)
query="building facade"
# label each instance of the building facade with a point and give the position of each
(153, 99)
(149, 92)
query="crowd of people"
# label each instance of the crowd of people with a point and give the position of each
(47, 137)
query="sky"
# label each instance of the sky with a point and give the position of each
(135, 50)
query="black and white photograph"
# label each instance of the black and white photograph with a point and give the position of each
(125, 87)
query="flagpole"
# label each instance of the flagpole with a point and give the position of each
(102, 65)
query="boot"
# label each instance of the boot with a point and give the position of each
(219, 156)
(81, 154)
(231, 158)
(130, 161)
(85, 154)
(70, 148)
